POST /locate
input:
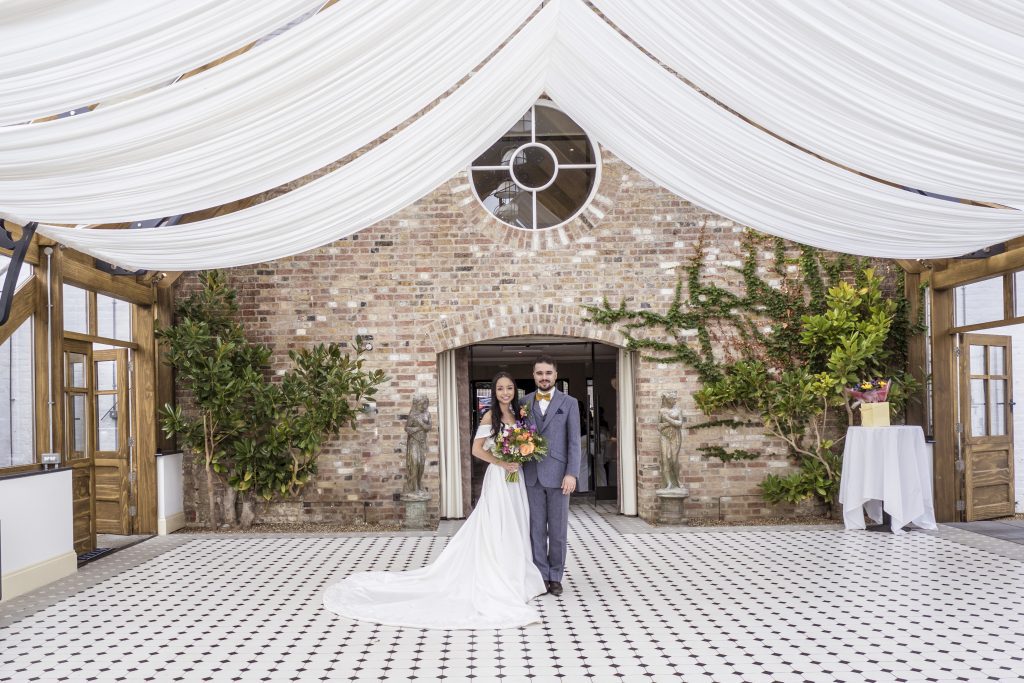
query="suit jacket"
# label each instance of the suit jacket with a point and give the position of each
(560, 426)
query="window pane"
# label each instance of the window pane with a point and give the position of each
(1018, 293)
(566, 195)
(17, 414)
(500, 153)
(977, 360)
(106, 422)
(76, 371)
(106, 375)
(76, 424)
(23, 275)
(113, 318)
(996, 363)
(978, 427)
(979, 302)
(564, 136)
(76, 309)
(997, 406)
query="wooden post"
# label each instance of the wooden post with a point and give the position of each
(145, 422)
(946, 479)
(163, 317)
(916, 413)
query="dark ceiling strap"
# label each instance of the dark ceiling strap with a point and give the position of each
(18, 247)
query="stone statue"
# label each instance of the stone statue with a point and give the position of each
(416, 427)
(670, 425)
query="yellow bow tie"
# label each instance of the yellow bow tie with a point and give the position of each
(543, 397)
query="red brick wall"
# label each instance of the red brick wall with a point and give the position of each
(442, 274)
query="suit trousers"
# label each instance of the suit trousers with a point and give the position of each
(549, 527)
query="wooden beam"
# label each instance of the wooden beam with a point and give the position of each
(911, 266)
(168, 280)
(145, 422)
(959, 272)
(22, 307)
(944, 390)
(96, 339)
(87, 276)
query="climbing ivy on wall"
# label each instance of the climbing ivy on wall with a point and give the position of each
(766, 348)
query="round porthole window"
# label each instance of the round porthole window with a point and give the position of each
(541, 173)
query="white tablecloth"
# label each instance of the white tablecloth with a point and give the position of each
(887, 467)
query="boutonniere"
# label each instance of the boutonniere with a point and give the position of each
(524, 412)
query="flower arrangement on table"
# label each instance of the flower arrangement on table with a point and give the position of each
(871, 396)
(519, 443)
(870, 391)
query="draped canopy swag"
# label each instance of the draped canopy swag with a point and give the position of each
(807, 119)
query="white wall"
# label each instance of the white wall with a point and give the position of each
(38, 538)
(170, 493)
(1016, 332)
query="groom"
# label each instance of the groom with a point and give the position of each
(550, 480)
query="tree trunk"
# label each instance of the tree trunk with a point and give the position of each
(230, 511)
(248, 512)
(211, 496)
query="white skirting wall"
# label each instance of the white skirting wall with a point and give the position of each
(170, 493)
(36, 531)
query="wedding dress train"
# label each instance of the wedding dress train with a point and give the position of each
(483, 579)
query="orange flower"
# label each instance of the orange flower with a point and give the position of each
(526, 448)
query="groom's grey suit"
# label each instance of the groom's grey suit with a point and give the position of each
(549, 507)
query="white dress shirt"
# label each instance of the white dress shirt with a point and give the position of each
(543, 405)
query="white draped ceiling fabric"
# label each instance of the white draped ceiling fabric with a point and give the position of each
(58, 56)
(929, 97)
(838, 78)
(245, 124)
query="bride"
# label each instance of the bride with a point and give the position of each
(484, 577)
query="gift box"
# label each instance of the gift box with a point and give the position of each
(874, 414)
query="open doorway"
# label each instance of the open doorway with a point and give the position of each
(587, 371)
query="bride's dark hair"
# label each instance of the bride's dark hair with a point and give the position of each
(496, 407)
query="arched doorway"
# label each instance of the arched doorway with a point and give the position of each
(598, 374)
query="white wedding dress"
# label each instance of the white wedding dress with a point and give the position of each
(483, 579)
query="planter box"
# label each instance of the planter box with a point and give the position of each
(874, 414)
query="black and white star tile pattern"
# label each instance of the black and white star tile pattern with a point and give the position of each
(766, 604)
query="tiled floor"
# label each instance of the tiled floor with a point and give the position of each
(764, 604)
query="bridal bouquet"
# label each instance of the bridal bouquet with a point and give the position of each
(870, 391)
(519, 443)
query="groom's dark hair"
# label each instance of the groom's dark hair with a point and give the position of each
(544, 358)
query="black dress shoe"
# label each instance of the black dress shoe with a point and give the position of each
(547, 586)
(555, 588)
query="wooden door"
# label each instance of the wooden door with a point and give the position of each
(112, 439)
(986, 425)
(78, 440)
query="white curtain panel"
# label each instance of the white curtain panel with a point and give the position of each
(915, 93)
(449, 437)
(316, 94)
(57, 56)
(696, 149)
(382, 181)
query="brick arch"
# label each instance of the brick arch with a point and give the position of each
(515, 320)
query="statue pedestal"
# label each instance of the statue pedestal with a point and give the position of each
(415, 505)
(670, 506)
